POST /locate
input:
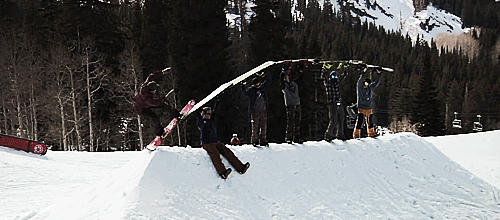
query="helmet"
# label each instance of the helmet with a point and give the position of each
(367, 81)
(255, 80)
(335, 74)
(153, 86)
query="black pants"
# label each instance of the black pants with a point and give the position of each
(336, 116)
(155, 118)
(259, 127)
(293, 114)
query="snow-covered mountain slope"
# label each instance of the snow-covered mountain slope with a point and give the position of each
(393, 15)
(401, 16)
(398, 176)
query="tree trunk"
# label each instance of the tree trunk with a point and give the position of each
(75, 113)
(89, 103)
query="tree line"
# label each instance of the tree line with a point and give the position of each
(70, 69)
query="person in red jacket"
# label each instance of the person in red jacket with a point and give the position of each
(235, 140)
(149, 98)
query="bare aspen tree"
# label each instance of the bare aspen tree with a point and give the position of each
(129, 84)
(94, 73)
(73, 98)
(15, 53)
(58, 71)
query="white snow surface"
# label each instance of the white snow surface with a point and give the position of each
(396, 176)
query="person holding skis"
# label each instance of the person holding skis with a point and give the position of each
(215, 148)
(336, 115)
(366, 102)
(290, 91)
(149, 98)
(258, 109)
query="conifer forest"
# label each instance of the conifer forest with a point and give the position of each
(69, 69)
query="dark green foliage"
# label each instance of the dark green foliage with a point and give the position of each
(427, 112)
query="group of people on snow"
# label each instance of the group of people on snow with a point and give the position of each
(149, 98)
(365, 93)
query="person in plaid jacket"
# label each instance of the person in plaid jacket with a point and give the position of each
(331, 80)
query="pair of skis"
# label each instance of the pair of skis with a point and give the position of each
(170, 127)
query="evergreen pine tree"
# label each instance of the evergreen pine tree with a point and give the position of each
(427, 111)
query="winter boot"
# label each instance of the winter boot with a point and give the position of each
(226, 173)
(372, 132)
(245, 168)
(357, 133)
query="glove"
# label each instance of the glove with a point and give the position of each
(176, 113)
(166, 70)
(327, 65)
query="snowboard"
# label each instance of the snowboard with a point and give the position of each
(23, 144)
(386, 69)
(171, 126)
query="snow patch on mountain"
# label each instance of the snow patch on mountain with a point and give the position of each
(393, 15)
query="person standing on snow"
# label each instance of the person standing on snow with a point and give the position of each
(336, 114)
(215, 148)
(290, 91)
(366, 103)
(149, 98)
(258, 109)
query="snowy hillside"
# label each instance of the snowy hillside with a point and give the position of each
(402, 16)
(399, 176)
(393, 15)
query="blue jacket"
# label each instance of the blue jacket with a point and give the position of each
(366, 96)
(208, 127)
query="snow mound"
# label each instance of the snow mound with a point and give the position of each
(399, 176)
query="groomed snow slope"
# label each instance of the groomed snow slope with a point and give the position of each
(398, 176)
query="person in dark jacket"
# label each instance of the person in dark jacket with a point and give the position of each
(149, 98)
(215, 148)
(336, 115)
(291, 97)
(366, 103)
(258, 109)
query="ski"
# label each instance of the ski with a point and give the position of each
(387, 69)
(328, 64)
(231, 83)
(170, 127)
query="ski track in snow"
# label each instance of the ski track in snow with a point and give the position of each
(399, 176)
